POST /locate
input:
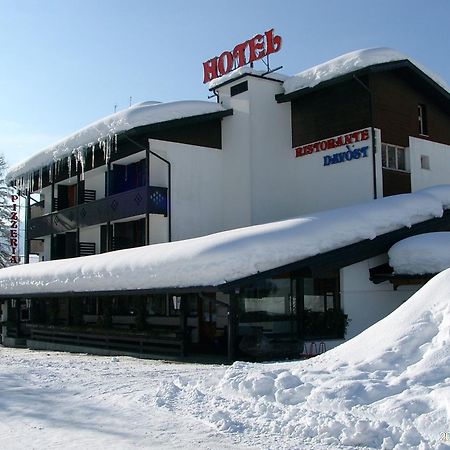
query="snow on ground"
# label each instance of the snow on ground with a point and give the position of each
(388, 388)
(59, 400)
(421, 254)
(348, 63)
(230, 255)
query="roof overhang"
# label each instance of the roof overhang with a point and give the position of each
(382, 67)
(332, 261)
(175, 123)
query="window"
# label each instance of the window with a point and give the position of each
(267, 299)
(425, 162)
(322, 315)
(238, 88)
(393, 157)
(422, 116)
(157, 305)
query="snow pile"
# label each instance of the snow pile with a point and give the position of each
(230, 255)
(348, 63)
(104, 130)
(245, 70)
(422, 254)
(387, 388)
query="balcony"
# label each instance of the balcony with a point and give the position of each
(143, 200)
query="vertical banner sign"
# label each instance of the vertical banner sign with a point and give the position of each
(14, 230)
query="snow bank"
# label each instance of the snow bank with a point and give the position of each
(145, 113)
(387, 388)
(230, 255)
(350, 62)
(425, 253)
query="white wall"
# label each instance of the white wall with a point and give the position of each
(91, 234)
(439, 156)
(197, 186)
(281, 185)
(159, 229)
(366, 302)
(95, 180)
(46, 195)
(47, 248)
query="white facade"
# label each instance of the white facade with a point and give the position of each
(256, 178)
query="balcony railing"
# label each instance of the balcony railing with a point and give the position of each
(143, 200)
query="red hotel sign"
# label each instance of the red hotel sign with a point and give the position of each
(14, 230)
(256, 48)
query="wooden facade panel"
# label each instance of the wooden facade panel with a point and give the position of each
(396, 182)
(329, 112)
(207, 134)
(396, 96)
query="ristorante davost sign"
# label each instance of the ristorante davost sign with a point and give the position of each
(244, 53)
(339, 149)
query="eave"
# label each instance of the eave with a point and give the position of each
(382, 67)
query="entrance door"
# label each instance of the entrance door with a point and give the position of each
(206, 321)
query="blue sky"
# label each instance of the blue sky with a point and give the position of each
(67, 63)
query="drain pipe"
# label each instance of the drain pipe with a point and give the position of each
(366, 88)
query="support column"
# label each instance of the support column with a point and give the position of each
(183, 323)
(233, 324)
(147, 183)
(26, 249)
(79, 201)
(52, 209)
(107, 194)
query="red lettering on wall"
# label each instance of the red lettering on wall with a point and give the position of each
(327, 144)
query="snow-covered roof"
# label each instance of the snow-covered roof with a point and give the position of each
(422, 254)
(348, 63)
(245, 70)
(145, 113)
(230, 255)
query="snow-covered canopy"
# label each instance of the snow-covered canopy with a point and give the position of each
(230, 255)
(348, 63)
(421, 254)
(145, 113)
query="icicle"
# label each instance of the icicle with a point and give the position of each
(93, 156)
(40, 179)
(102, 147)
(50, 172)
(106, 147)
(69, 164)
(115, 143)
(80, 157)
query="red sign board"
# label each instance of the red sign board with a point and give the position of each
(255, 48)
(14, 230)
